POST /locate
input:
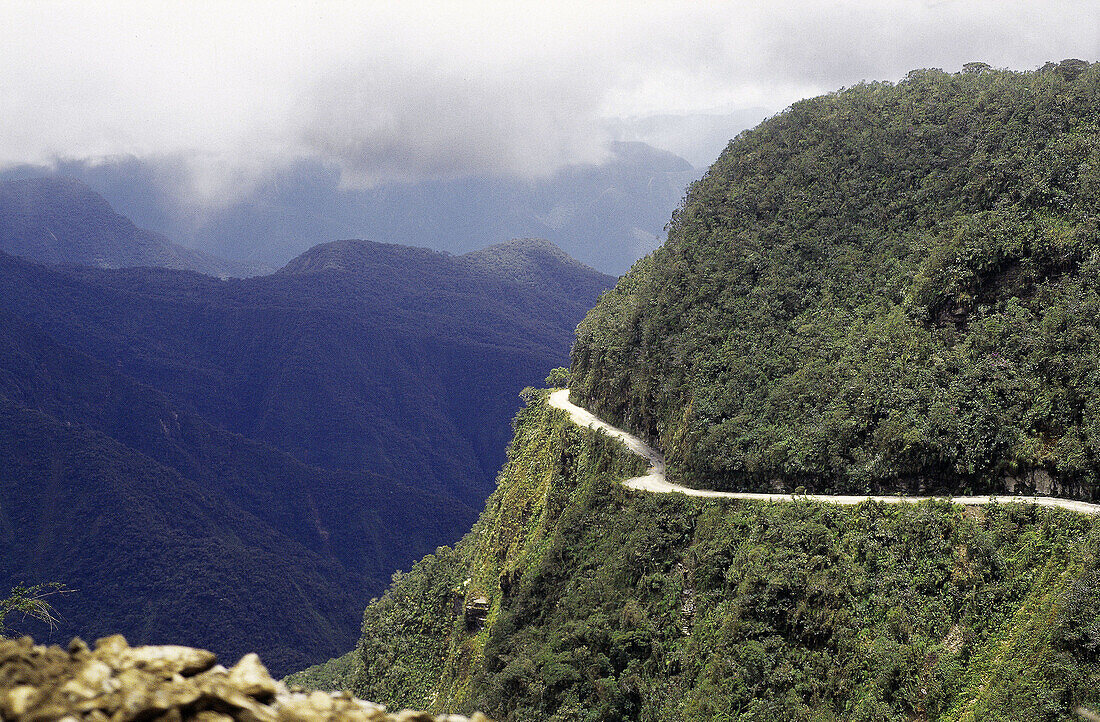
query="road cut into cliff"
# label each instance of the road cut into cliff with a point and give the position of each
(655, 480)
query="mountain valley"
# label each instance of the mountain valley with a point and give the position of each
(329, 423)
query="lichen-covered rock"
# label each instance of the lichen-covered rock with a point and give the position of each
(121, 683)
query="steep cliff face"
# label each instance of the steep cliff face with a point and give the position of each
(889, 287)
(441, 615)
(575, 598)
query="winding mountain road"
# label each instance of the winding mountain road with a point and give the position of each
(655, 481)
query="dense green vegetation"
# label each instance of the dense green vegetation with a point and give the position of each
(420, 640)
(608, 604)
(338, 673)
(888, 287)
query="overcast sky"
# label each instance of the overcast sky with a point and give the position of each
(410, 90)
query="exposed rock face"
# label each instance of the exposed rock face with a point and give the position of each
(1036, 481)
(122, 683)
(477, 610)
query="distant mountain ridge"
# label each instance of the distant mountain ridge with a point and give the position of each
(358, 256)
(528, 261)
(606, 215)
(403, 311)
(61, 220)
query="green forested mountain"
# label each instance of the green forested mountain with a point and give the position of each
(573, 598)
(888, 287)
(893, 288)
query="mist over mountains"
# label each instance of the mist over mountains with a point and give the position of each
(605, 215)
(61, 220)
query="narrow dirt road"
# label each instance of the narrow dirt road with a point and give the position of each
(655, 481)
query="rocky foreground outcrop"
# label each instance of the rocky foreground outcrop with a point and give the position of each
(120, 683)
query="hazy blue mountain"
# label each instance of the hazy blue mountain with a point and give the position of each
(355, 355)
(62, 220)
(154, 555)
(180, 448)
(606, 215)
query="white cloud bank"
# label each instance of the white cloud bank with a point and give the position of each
(414, 90)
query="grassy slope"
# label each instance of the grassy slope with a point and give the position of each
(608, 604)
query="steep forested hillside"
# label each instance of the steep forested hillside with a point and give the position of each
(61, 220)
(888, 287)
(573, 598)
(333, 422)
(156, 555)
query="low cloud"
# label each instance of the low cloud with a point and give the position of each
(394, 123)
(404, 92)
